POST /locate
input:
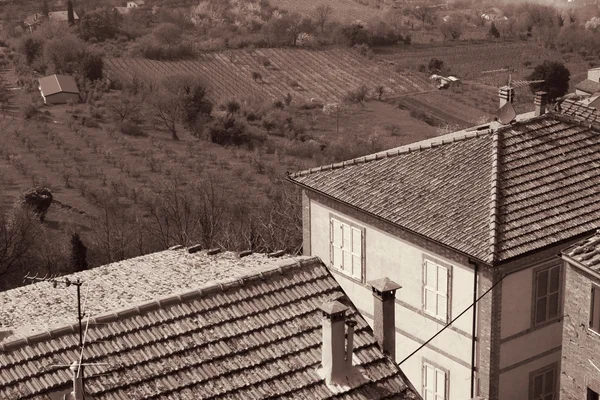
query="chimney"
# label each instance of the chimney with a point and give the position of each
(384, 323)
(333, 357)
(77, 393)
(350, 343)
(506, 94)
(540, 101)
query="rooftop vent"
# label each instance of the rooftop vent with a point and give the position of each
(194, 249)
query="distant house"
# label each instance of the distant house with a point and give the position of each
(135, 3)
(591, 85)
(32, 21)
(255, 327)
(58, 89)
(122, 10)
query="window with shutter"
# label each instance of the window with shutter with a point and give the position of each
(546, 294)
(346, 242)
(435, 289)
(435, 382)
(595, 309)
(543, 383)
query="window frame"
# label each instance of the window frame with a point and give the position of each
(449, 272)
(436, 367)
(594, 288)
(542, 371)
(351, 226)
(534, 298)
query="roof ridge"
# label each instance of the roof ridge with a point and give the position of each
(388, 154)
(151, 305)
(494, 182)
(58, 83)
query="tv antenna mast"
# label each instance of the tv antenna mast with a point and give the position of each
(506, 112)
(76, 366)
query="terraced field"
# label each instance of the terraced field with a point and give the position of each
(324, 75)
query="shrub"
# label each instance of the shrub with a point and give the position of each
(435, 65)
(230, 131)
(130, 128)
(30, 111)
(357, 96)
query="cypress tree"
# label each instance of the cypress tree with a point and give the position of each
(78, 254)
(45, 9)
(70, 14)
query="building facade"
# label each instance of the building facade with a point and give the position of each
(580, 367)
(469, 224)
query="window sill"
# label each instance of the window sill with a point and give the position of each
(349, 277)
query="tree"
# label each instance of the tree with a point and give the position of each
(91, 65)
(493, 32)
(321, 15)
(64, 54)
(168, 34)
(556, 79)
(17, 237)
(78, 254)
(424, 13)
(31, 47)
(38, 200)
(435, 66)
(168, 109)
(45, 9)
(100, 24)
(357, 96)
(70, 13)
(193, 95)
(451, 29)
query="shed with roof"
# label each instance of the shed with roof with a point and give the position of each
(58, 89)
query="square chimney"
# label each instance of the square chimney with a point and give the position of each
(384, 319)
(506, 95)
(540, 101)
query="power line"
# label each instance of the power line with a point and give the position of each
(451, 322)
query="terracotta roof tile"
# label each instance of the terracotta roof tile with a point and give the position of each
(492, 196)
(588, 86)
(250, 338)
(586, 252)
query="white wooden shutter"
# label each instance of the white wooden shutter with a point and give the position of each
(595, 310)
(347, 248)
(429, 287)
(336, 243)
(428, 382)
(442, 292)
(356, 253)
(440, 385)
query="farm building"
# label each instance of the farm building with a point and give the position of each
(32, 21)
(135, 3)
(591, 85)
(58, 89)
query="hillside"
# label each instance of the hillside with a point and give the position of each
(324, 75)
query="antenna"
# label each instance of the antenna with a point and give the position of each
(67, 282)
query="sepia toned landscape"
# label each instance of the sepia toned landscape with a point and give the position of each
(284, 199)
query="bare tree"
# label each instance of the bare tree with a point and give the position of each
(168, 109)
(124, 106)
(321, 14)
(424, 13)
(18, 229)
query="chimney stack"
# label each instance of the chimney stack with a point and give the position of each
(384, 324)
(333, 357)
(540, 101)
(350, 344)
(77, 370)
(506, 94)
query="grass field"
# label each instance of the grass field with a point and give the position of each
(325, 75)
(468, 60)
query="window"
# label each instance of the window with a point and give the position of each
(543, 383)
(546, 294)
(435, 383)
(595, 309)
(591, 395)
(346, 242)
(435, 289)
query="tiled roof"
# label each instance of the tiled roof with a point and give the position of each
(493, 195)
(259, 337)
(580, 111)
(61, 15)
(53, 84)
(586, 252)
(39, 307)
(588, 86)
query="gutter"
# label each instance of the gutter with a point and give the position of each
(474, 329)
(579, 266)
(468, 256)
